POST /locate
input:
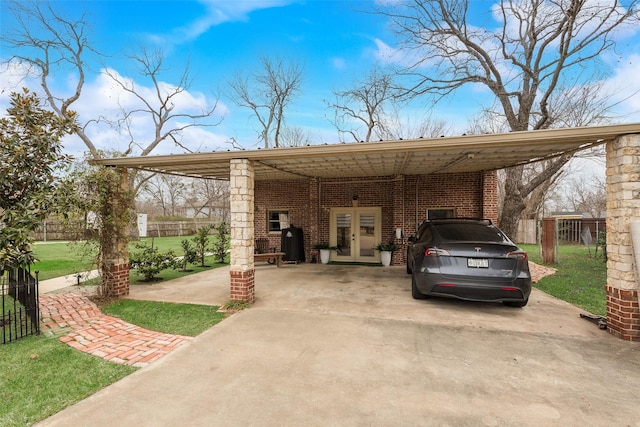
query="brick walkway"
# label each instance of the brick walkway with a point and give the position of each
(89, 330)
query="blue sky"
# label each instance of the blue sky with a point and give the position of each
(335, 40)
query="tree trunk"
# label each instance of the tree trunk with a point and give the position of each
(513, 204)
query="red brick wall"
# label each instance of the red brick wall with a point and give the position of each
(292, 195)
(623, 313)
(309, 202)
(243, 286)
(117, 279)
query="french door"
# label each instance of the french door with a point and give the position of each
(356, 231)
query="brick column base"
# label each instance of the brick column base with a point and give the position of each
(118, 280)
(243, 286)
(623, 313)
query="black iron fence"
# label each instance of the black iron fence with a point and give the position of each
(20, 314)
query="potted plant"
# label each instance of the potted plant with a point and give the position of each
(386, 250)
(325, 251)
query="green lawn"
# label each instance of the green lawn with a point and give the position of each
(40, 376)
(180, 319)
(580, 278)
(61, 259)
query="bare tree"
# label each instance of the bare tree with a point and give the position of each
(169, 123)
(267, 93)
(539, 47)
(363, 106)
(587, 196)
(48, 44)
(397, 126)
(209, 198)
(167, 192)
(52, 46)
(294, 136)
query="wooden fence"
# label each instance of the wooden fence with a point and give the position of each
(176, 228)
(568, 230)
(56, 231)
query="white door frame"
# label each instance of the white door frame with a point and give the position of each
(357, 239)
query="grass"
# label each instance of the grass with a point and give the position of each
(179, 319)
(40, 376)
(580, 278)
(62, 259)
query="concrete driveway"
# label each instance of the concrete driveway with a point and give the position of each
(347, 346)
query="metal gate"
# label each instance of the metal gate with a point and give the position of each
(20, 313)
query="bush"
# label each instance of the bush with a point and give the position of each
(601, 242)
(149, 261)
(189, 254)
(202, 241)
(221, 245)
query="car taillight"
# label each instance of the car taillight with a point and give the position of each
(436, 252)
(518, 255)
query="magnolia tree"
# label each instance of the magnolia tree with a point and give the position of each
(30, 158)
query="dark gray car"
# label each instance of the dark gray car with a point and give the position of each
(469, 259)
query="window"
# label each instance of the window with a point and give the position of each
(441, 213)
(277, 220)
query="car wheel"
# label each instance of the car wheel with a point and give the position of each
(415, 293)
(409, 269)
(516, 303)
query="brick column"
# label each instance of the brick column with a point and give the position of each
(490, 196)
(313, 234)
(114, 267)
(399, 256)
(623, 208)
(242, 285)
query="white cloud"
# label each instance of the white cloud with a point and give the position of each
(103, 101)
(14, 77)
(218, 12)
(339, 63)
(625, 87)
(387, 54)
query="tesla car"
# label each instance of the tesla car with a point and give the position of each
(469, 259)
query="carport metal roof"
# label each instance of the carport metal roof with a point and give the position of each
(403, 157)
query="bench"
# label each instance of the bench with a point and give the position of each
(276, 256)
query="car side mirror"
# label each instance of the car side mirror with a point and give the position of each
(412, 238)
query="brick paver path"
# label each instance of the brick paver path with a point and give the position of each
(93, 332)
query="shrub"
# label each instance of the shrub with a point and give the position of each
(221, 245)
(201, 240)
(189, 254)
(601, 242)
(149, 261)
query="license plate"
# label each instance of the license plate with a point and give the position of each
(477, 263)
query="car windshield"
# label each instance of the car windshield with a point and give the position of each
(470, 233)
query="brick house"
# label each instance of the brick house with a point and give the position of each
(358, 213)
(330, 191)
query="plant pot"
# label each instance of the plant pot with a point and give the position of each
(385, 258)
(325, 254)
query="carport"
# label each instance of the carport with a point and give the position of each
(392, 160)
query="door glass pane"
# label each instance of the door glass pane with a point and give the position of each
(343, 221)
(367, 235)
